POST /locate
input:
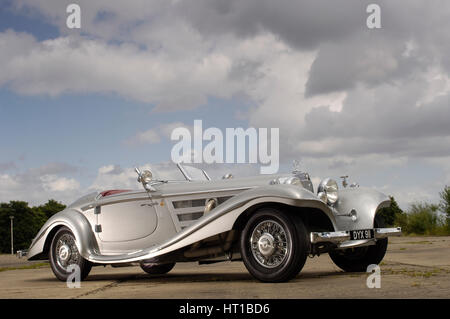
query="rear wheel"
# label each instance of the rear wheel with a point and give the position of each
(64, 253)
(274, 245)
(157, 269)
(358, 259)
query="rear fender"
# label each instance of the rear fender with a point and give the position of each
(76, 222)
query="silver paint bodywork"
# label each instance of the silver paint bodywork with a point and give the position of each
(168, 224)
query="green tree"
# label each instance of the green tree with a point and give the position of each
(27, 222)
(50, 208)
(390, 214)
(444, 205)
(423, 219)
(401, 220)
(445, 200)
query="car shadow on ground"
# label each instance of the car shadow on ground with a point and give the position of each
(137, 277)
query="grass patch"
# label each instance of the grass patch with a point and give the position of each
(433, 237)
(33, 266)
(427, 242)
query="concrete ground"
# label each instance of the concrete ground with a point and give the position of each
(414, 267)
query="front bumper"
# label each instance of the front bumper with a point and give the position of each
(342, 238)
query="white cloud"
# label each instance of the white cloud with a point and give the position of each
(107, 178)
(155, 135)
(53, 183)
(167, 129)
(70, 64)
(8, 183)
(37, 189)
(438, 85)
(116, 177)
(407, 195)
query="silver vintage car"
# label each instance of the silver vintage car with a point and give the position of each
(270, 222)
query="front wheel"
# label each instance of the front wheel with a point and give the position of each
(358, 259)
(274, 245)
(64, 255)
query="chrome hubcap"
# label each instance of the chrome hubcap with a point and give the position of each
(266, 244)
(66, 251)
(269, 243)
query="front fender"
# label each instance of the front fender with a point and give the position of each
(76, 222)
(365, 201)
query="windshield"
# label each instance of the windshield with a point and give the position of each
(193, 173)
(170, 172)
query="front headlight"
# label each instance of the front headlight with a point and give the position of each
(328, 191)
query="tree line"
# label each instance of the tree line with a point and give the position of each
(27, 222)
(420, 219)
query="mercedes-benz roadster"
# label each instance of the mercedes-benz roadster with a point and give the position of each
(270, 222)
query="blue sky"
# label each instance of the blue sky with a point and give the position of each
(29, 21)
(90, 130)
(80, 108)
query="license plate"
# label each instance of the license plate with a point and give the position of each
(361, 234)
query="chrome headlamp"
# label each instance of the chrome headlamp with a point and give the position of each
(328, 191)
(145, 177)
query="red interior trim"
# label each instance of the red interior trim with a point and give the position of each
(114, 191)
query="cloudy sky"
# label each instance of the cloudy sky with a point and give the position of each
(80, 107)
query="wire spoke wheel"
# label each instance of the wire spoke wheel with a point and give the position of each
(274, 245)
(67, 251)
(64, 252)
(269, 244)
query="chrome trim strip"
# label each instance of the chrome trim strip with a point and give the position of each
(333, 237)
(386, 232)
(41, 233)
(343, 236)
(111, 200)
(208, 191)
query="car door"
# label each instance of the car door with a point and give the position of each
(127, 221)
